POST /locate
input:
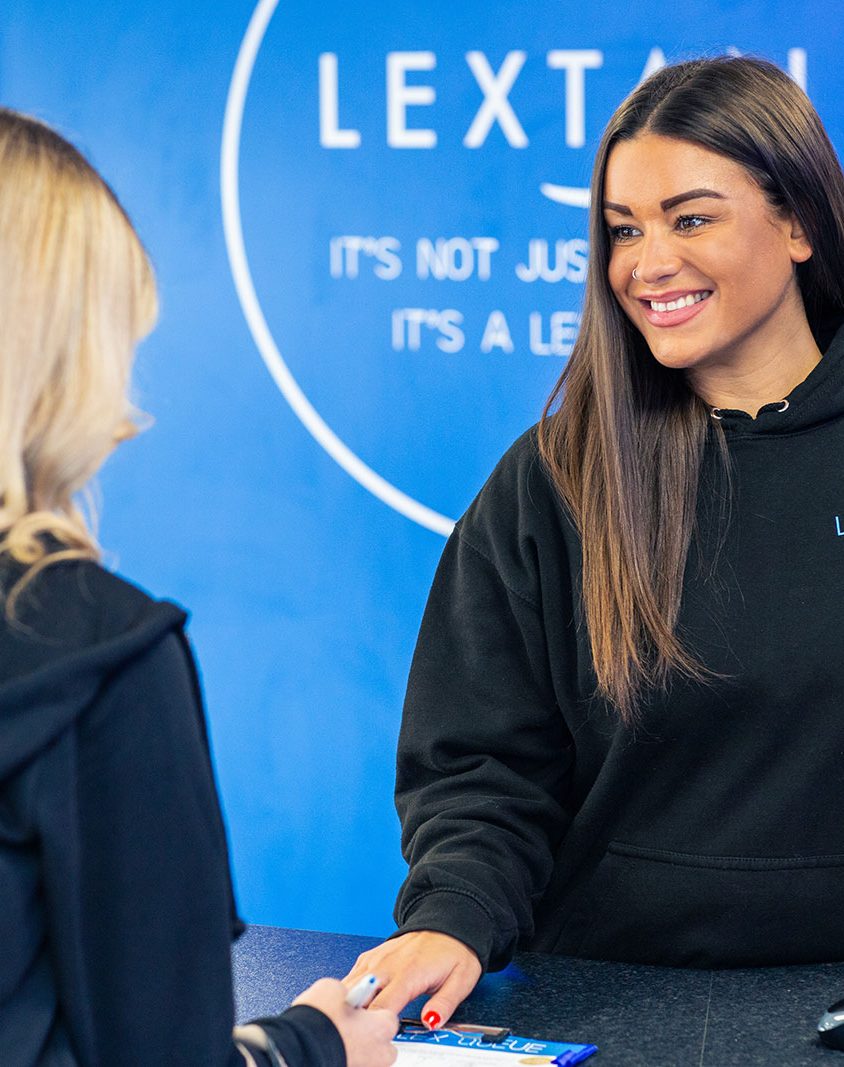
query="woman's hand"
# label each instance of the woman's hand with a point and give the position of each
(367, 1035)
(416, 963)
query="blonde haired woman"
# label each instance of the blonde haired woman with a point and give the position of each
(117, 907)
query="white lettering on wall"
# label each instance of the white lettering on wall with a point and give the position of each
(562, 333)
(496, 107)
(575, 62)
(407, 325)
(345, 251)
(401, 96)
(568, 261)
(656, 61)
(455, 258)
(496, 333)
(797, 65)
(330, 134)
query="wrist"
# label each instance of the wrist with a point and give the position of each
(253, 1036)
(457, 915)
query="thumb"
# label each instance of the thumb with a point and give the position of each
(442, 1005)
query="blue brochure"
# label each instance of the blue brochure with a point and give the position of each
(438, 1048)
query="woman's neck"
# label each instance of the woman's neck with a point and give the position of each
(767, 379)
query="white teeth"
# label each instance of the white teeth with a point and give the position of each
(681, 301)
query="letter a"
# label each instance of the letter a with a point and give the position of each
(496, 333)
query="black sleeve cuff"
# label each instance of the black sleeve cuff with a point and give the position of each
(457, 913)
(305, 1037)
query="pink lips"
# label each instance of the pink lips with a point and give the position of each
(672, 318)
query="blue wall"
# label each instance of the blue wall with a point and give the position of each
(415, 364)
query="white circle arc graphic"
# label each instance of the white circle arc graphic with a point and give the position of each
(233, 230)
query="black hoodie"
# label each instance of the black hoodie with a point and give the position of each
(712, 833)
(116, 909)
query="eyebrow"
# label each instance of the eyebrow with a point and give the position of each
(672, 201)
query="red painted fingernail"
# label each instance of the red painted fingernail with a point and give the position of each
(432, 1019)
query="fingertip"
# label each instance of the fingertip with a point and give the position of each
(432, 1019)
(329, 986)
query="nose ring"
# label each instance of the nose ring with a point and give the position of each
(635, 275)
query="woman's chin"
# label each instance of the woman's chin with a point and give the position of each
(674, 360)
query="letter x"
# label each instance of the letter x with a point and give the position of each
(496, 107)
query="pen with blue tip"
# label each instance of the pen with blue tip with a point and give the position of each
(362, 992)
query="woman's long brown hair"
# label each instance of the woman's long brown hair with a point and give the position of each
(622, 436)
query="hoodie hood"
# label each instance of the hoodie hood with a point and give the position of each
(47, 681)
(816, 400)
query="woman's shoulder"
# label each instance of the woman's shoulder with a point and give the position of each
(76, 629)
(521, 456)
(518, 494)
(518, 520)
(78, 610)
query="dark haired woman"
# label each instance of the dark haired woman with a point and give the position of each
(623, 733)
(117, 912)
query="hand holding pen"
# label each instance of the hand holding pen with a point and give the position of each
(366, 1035)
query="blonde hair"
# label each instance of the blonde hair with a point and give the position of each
(77, 293)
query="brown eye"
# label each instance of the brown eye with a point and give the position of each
(620, 234)
(689, 223)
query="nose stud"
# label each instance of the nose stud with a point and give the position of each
(635, 275)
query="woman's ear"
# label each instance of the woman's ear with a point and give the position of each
(798, 244)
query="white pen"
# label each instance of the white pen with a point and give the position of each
(362, 992)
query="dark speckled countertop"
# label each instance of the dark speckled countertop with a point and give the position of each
(638, 1016)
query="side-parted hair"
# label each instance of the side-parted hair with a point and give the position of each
(77, 293)
(621, 435)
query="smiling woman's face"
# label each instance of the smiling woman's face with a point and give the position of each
(715, 285)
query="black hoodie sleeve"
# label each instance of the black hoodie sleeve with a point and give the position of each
(483, 751)
(142, 940)
(305, 1036)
